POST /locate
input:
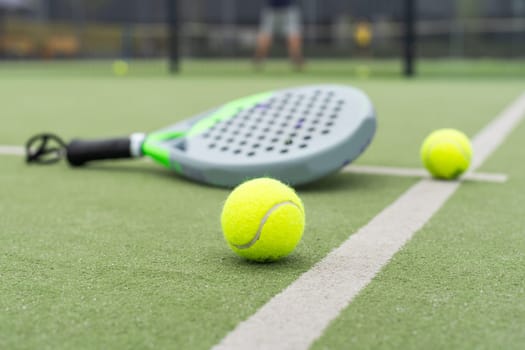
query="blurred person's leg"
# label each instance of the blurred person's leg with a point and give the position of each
(294, 36)
(264, 38)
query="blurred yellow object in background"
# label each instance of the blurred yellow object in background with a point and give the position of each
(363, 34)
(120, 68)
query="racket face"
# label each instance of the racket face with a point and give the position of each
(296, 135)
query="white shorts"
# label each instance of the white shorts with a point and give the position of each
(286, 19)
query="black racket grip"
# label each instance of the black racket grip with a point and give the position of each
(79, 152)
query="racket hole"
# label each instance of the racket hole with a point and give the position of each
(230, 140)
(248, 134)
(275, 139)
(293, 134)
(284, 125)
(333, 116)
(237, 151)
(224, 149)
(315, 121)
(288, 142)
(206, 135)
(212, 145)
(250, 154)
(279, 132)
(285, 150)
(329, 124)
(262, 137)
(311, 129)
(256, 145)
(269, 148)
(303, 145)
(242, 143)
(266, 129)
(218, 137)
(326, 131)
(307, 137)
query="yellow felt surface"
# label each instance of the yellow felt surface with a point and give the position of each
(268, 206)
(446, 153)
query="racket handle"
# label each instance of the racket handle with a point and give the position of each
(79, 152)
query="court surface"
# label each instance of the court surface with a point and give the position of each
(127, 255)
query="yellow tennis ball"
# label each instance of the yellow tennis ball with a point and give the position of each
(446, 153)
(363, 71)
(263, 220)
(120, 68)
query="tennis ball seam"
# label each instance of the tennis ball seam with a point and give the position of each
(263, 222)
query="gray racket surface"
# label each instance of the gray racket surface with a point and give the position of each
(296, 135)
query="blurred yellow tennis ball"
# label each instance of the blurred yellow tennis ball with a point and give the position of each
(446, 153)
(263, 220)
(362, 71)
(120, 68)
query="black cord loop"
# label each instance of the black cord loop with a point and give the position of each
(45, 148)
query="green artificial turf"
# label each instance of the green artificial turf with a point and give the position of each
(352, 68)
(459, 284)
(128, 255)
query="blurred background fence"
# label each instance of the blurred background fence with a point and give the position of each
(52, 29)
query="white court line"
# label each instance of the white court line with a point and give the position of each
(297, 316)
(411, 172)
(356, 169)
(12, 151)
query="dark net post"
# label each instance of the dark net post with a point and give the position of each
(409, 40)
(172, 7)
(3, 15)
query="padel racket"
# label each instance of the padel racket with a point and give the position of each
(296, 135)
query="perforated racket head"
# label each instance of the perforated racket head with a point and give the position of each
(296, 135)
